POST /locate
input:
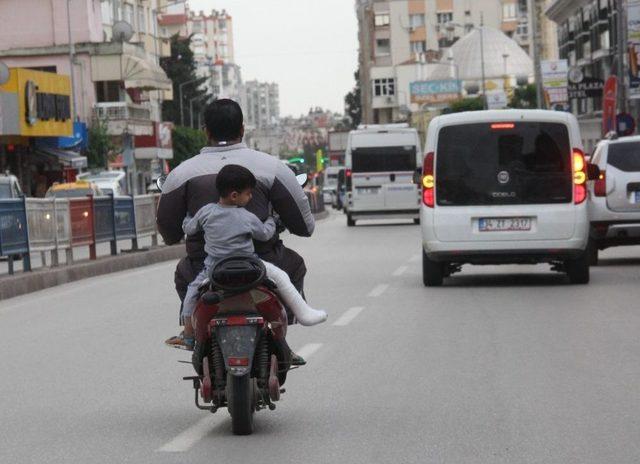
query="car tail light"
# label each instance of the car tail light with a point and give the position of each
(579, 176)
(428, 181)
(502, 126)
(600, 185)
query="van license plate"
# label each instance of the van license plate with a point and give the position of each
(504, 224)
(368, 191)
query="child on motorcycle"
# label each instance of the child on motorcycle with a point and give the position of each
(230, 229)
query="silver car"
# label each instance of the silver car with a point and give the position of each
(614, 198)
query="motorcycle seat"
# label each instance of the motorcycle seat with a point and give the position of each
(238, 273)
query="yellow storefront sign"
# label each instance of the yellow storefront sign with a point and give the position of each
(43, 102)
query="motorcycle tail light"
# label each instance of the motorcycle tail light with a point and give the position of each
(242, 362)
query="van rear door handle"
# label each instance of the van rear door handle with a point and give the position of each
(392, 177)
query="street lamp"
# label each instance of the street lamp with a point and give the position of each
(72, 51)
(181, 99)
(201, 97)
(481, 29)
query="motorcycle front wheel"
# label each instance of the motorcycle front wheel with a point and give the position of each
(240, 402)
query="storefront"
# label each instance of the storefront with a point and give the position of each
(35, 113)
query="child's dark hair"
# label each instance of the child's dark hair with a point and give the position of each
(234, 178)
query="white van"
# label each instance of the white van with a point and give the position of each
(503, 187)
(330, 185)
(380, 164)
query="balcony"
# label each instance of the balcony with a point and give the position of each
(122, 117)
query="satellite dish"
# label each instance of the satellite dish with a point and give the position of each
(4, 73)
(122, 31)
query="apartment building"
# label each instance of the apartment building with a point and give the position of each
(262, 105)
(117, 80)
(587, 38)
(212, 45)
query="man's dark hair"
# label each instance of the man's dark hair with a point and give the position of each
(234, 178)
(224, 120)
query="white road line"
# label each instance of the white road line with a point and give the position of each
(348, 316)
(307, 350)
(415, 258)
(189, 437)
(401, 270)
(379, 290)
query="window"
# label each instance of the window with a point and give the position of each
(384, 87)
(444, 18)
(128, 13)
(536, 155)
(222, 24)
(383, 47)
(384, 159)
(624, 156)
(509, 12)
(418, 46)
(416, 20)
(382, 20)
(142, 20)
(197, 27)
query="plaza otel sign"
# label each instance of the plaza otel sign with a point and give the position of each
(36, 104)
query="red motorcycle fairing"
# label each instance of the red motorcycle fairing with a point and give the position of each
(260, 300)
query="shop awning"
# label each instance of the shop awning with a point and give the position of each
(138, 73)
(69, 159)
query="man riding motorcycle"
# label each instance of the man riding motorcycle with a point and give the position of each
(191, 185)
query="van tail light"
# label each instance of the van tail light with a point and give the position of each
(348, 178)
(600, 185)
(579, 176)
(428, 181)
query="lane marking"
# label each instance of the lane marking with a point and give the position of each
(379, 290)
(348, 316)
(415, 258)
(189, 437)
(307, 350)
(401, 270)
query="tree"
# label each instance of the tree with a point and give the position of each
(353, 103)
(187, 142)
(465, 104)
(100, 146)
(180, 68)
(524, 97)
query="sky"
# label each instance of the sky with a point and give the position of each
(308, 47)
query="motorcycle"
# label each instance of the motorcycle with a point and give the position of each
(240, 356)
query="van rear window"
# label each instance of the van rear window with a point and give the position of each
(384, 159)
(503, 164)
(624, 156)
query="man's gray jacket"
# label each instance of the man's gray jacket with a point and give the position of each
(192, 185)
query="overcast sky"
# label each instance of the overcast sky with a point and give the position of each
(309, 47)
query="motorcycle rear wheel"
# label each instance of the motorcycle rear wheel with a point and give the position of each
(240, 403)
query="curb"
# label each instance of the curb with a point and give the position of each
(41, 279)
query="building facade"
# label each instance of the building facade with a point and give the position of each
(403, 41)
(262, 105)
(587, 39)
(117, 79)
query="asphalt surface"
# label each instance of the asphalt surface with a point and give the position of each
(502, 365)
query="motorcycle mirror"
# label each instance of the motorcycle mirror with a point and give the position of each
(302, 179)
(160, 182)
(593, 171)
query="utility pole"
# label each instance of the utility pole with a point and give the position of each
(484, 77)
(533, 12)
(620, 55)
(72, 52)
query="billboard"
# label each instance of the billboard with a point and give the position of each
(555, 82)
(435, 92)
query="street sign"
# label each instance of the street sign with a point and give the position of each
(555, 81)
(626, 125)
(496, 100)
(609, 98)
(438, 91)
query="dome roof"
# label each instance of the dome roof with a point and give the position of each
(466, 54)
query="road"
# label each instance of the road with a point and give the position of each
(501, 365)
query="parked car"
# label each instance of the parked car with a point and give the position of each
(9, 187)
(109, 182)
(76, 189)
(504, 187)
(614, 198)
